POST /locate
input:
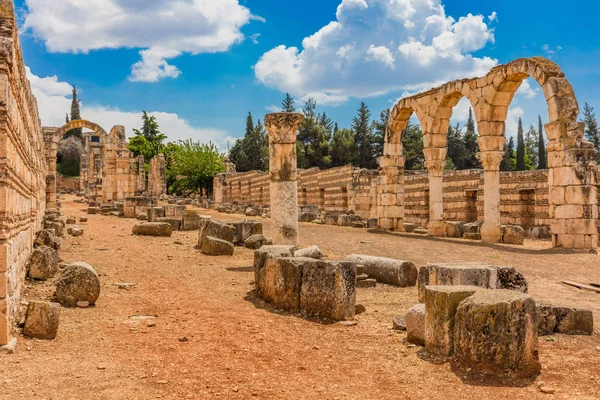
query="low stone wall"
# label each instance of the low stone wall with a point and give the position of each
(22, 171)
(68, 183)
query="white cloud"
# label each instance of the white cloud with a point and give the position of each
(493, 17)
(53, 103)
(550, 51)
(254, 37)
(512, 121)
(526, 90)
(182, 26)
(273, 108)
(414, 44)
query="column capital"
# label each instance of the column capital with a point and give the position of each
(435, 167)
(490, 160)
(282, 127)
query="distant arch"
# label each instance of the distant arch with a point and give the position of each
(81, 123)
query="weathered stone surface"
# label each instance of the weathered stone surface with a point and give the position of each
(441, 303)
(71, 221)
(174, 211)
(366, 283)
(472, 236)
(251, 212)
(281, 283)
(191, 220)
(399, 323)
(513, 234)
(42, 320)
(51, 214)
(58, 227)
(75, 230)
(154, 213)
(510, 278)
(207, 227)
(173, 221)
(540, 232)
(47, 238)
(93, 210)
(255, 242)
(409, 228)
(372, 223)
(43, 263)
(212, 246)
(142, 217)
(153, 229)
(328, 289)
(574, 321)
(420, 231)
(246, 228)
(415, 324)
(387, 270)
(546, 319)
(307, 217)
(260, 259)
(471, 227)
(83, 219)
(453, 229)
(495, 332)
(78, 282)
(310, 252)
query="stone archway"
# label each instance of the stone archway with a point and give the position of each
(571, 160)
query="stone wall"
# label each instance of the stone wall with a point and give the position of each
(333, 190)
(22, 170)
(69, 183)
(157, 176)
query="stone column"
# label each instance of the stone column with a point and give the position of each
(51, 150)
(282, 128)
(491, 230)
(436, 225)
(390, 190)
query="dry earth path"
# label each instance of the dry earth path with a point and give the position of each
(192, 329)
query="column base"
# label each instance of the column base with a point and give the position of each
(491, 232)
(436, 228)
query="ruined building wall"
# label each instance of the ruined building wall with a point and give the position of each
(69, 183)
(157, 176)
(22, 170)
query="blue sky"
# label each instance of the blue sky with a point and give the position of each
(206, 63)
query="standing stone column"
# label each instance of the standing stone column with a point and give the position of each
(491, 230)
(51, 151)
(282, 128)
(436, 225)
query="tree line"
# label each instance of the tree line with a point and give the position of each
(321, 143)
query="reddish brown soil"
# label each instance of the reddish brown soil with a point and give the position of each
(239, 348)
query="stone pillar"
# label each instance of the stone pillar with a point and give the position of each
(491, 230)
(51, 150)
(572, 188)
(282, 128)
(390, 190)
(436, 225)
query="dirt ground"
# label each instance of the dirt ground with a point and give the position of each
(213, 339)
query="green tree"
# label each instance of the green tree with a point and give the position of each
(69, 155)
(542, 157)
(238, 156)
(288, 104)
(314, 134)
(508, 162)
(251, 152)
(470, 139)
(591, 128)
(151, 132)
(195, 165)
(75, 115)
(379, 130)
(521, 165)
(343, 148)
(412, 143)
(363, 136)
(457, 151)
(139, 145)
(326, 123)
(531, 148)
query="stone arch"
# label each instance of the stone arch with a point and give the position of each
(81, 123)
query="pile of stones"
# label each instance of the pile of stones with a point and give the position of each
(219, 239)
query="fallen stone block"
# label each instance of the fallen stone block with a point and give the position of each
(246, 228)
(495, 333)
(366, 283)
(71, 221)
(212, 246)
(472, 236)
(75, 230)
(327, 289)
(57, 227)
(173, 221)
(260, 261)
(471, 227)
(218, 230)
(251, 212)
(399, 323)
(574, 321)
(47, 238)
(142, 217)
(441, 303)
(453, 229)
(421, 231)
(281, 282)
(42, 320)
(255, 242)
(51, 214)
(387, 270)
(546, 319)
(309, 252)
(153, 229)
(154, 213)
(540, 232)
(307, 217)
(83, 219)
(513, 234)
(78, 282)
(472, 274)
(191, 220)
(415, 324)
(43, 263)
(93, 210)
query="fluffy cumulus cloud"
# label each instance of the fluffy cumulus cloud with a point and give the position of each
(53, 99)
(163, 28)
(379, 46)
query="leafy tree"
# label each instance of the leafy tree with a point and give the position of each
(531, 148)
(343, 148)
(521, 166)
(238, 156)
(470, 139)
(195, 165)
(542, 157)
(302, 161)
(412, 143)
(591, 127)
(69, 155)
(363, 136)
(75, 115)
(508, 162)
(457, 150)
(151, 132)
(288, 104)
(138, 144)
(314, 135)
(335, 128)
(251, 152)
(379, 129)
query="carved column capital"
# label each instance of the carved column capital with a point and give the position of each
(490, 160)
(435, 167)
(282, 127)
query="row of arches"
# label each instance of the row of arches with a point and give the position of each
(571, 159)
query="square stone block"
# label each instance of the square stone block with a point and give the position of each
(282, 282)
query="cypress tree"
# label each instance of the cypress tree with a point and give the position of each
(520, 148)
(379, 128)
(249, 125)
(363, 136)
(75, 115)
(470, 139)
(591, 127)
(457, 150)
(542, 159)
(288, 104)
(508, 160)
